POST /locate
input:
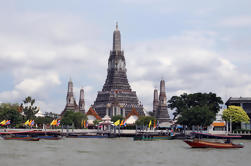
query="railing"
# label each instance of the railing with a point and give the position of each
(242, 132)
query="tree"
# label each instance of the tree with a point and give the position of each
(198, 116)
(10, 112)
(144, 120)
(29, 109)
(195, 109)
(117, 117)
(236, 114)
(186, 101)
(75, 118)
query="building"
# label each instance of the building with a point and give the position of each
(117, 97)
(92, 116)
(71, 104)
(160, 106)
(245, 103)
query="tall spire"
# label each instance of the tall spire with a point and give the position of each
(81, 101)
(155, 101)
(116, 39)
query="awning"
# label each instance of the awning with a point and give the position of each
(221, 124)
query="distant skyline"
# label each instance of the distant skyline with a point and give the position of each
(194, 46)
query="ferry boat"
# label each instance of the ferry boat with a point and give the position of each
(196, 143)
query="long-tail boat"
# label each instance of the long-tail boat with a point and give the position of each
(48, 135)
(196, 143)
(23, 138)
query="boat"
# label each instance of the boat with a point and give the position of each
(163, 137)
(23, 138)
(214, 136)
(48, 135)
(196, 143)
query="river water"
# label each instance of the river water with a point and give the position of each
(118, 152)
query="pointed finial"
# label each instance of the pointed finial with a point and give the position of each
(117, 27)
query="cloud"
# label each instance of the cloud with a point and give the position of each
(237, 22)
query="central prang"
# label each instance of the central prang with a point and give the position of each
(117, 97)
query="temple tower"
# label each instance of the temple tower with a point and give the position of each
(162, 112)
(81, 101)
(116, 97)
(71, 104)
(155, 101)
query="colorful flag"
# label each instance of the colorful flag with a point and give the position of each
(86, 123)
(117, 122)
(31, 123)
(8, 122)
(27, 122)
(150, 123)
(122, 123)
(58, 123)
(54, 122)
(82, 123)
(154, 124)
(3, 122)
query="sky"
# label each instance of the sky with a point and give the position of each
(195, 46)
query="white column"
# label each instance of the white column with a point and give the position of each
(107, 110)
(113, 111)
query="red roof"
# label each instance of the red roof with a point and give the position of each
(133, 112)
(92, 112)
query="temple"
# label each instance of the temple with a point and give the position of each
(71, 104)
(160, 106)
(117, 97)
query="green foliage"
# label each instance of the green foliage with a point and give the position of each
(75, 118)
(198, 115)
(186, 101)
(236, 114)
(144, 120)
(117, 117)
(10, 112)
(29, 109)
(96, 122)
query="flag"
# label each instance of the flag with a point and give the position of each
(3, 122)
(117, 122)
(54, 122)
(154, 124)
(82, 123)
(86, 123)
(27, 122)
(122, 123)
(150, 123)
(31, 123)
(58, 123)
(8, 122)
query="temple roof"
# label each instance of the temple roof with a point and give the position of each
(133, 112)
(92, 112)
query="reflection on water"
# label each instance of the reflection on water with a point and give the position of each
(117, 151)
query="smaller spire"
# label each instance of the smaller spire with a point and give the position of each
(117, 27)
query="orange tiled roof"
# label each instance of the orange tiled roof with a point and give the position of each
(218, 124)
(133, 112)
(92, 112)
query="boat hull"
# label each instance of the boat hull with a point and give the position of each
(22, 138)
(206, 144)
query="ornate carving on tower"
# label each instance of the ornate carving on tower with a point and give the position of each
(116, 97)
(155, 101)
(71, 104)
(81, 101)
(162, 112)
